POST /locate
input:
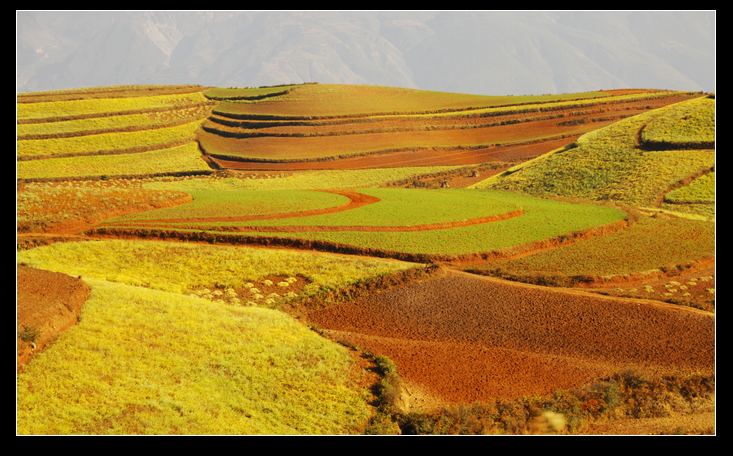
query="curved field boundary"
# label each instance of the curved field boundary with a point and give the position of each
(248, 134)
(131, 128)
(129, 150)
(356, 200)
(116, 176)
(652, 145)
(546, 106)
(370, 228)
(325, 246)
(679, 184)
(112, 114)
(251, 97)
(386, 151)
(102, 93)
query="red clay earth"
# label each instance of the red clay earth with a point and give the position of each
(456, 156)
(464, 338)
(48, 304)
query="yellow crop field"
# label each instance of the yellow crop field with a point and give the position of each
(185, 158)
(109, 142)
(145, 361)
(183, 267)
(97, 125)
(71, 108)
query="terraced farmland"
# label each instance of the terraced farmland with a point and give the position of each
(204, 219)
(359, 127)
(116, 132)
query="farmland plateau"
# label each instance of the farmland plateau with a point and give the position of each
(351, 259)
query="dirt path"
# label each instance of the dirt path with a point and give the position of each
(373, 228)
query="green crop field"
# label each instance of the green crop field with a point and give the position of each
(541, 219)
(241, 202)
(185, 158)
(607, 164)
(109, 142)
(105, 105)
(690, 125)
(648, 244)
(144, 361)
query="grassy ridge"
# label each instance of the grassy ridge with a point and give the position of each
(607, 164)
(143, 361)
(687, 125)
(185, 158)
(700, 190)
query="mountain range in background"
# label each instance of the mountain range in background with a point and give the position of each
(472, 52)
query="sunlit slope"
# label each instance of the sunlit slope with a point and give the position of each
(112, 131)
(609, 164)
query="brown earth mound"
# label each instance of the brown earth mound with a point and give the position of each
(48, 304)
(465, 338)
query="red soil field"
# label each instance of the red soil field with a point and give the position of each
(589, 120)
(440, 157)
(48, 304)
(463, 338)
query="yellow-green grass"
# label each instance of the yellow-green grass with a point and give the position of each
(650, 243)
(144, 361)
(607, 164)
(689, 122)
(105, 92)
(81, 127)
(314, 100)
(541, 220)
(180, 159)
(181, 267)
(246, 93)
(109, 142)
(208, 203)
(301, 180)
(403, 207)
(70, 108)
(329, 147)
(700, 190)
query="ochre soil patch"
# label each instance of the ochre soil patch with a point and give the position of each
(465, 338)
(48, 304)
(694, 287)
(428, 157)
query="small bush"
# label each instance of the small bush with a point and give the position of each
(29, 334)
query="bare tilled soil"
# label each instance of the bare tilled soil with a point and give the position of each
(48, 304)
(466, 338)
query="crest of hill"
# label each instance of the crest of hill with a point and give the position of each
(611, 164)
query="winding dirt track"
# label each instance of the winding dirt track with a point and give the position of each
(465, 338)
(374, 228)
(356, 200)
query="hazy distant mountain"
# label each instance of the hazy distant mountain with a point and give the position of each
(479, 52)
